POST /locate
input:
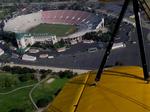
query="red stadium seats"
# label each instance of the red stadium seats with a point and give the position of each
(65, 17)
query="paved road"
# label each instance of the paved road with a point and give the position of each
(6, 93)
(31, 91)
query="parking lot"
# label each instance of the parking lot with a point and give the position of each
(78, 57)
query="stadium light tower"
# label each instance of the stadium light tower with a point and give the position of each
(136, 4)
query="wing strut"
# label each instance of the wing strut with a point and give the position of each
(140, 39)
(145, 7)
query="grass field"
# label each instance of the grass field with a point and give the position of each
(21, 84)
(46, 90)
(20, 98)
(56, 29)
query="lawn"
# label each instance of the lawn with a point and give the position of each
(20, 98)
(4, 90)
(20, 84)
(55, 29)
(48, 90)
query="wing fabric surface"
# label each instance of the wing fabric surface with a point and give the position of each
(121, 89)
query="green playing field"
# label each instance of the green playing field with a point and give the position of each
(56, 29)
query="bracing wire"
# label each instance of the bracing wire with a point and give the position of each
(145, 7)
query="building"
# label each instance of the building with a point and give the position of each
(101, 25)
(24, 40)
(1, 52)
(28, 58)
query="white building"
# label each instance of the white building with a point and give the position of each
(101, 24)
(28, 58)
(1, 52)
(24, 40)
(54, 40)
(27, 39)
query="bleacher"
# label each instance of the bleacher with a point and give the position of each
(25, 22)
(68, 17)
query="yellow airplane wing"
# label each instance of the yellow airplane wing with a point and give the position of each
(121, 89)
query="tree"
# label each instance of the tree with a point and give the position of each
(24, 74)
(18, 70)
(26, 77)
(43, 102)
(6, 68)
(91, 36)
(4, 58)
(17, 110)
(8, 80)
(66, 74)
(44, 73)
(59, 44)
(9, 37)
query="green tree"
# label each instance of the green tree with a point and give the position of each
(44, 73)
(17, 110)
(43, 102)
(66, 74)
(26, 77)
(8, 80)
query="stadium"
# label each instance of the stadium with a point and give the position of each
(52, 25)
(57, 22)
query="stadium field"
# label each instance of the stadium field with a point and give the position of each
(57, 29)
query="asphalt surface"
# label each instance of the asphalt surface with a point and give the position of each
(85, 60)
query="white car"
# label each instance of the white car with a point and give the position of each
(33, 51)
(43, 56)
(50, 57)
(88, 41)
(118, 45)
